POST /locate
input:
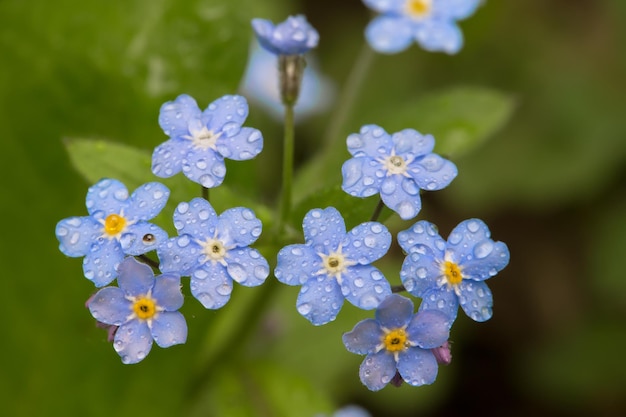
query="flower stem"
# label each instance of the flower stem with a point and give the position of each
(377, 210)
(154, 264)
(288, 150)
(205, 193)
(398, 288)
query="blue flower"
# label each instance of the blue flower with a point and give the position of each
(200, 140)
(398, 341)
(446, 274)
(144, 308)
(116, 226)
(431, 23)
(333, 264)
(294, 36)
(214, 251)
(395, 166)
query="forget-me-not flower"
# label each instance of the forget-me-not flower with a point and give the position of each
(116, 226)
(200, 140)
(332, 265)
(448, 274)
(144, 308)
(430, 23)
(294, 36)
(398, 341)
(397, 166)
(214, 251)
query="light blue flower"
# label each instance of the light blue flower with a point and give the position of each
(448, 274)
(116, 226)
(144, 308)
(294, 36)
(398, 341)
(214, 251)
(200, 140)
(430, 23)
(333, 264)
(397, 166)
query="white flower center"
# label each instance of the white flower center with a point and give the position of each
(334, 264)
(205, 138)
(214, 250)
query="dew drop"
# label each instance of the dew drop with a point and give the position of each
(304, 308)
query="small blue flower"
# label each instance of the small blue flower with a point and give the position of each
(294, 36)
(397, 166)
(144, 308)
(333, 264)
(431, 23)
(214, 251)
(200, 140)
(116, 226)
(398, 341)
(446, 274)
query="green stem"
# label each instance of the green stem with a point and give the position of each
(377, 210)
(288, 150)
(205, 193)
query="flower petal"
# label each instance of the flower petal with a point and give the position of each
(364, 286)
(77, 234)
(100, 264)
(443, 299)
(133, 341)
(464, 237)
(389, 34)
(108, 196)
(169, 329)
(439, 36)
(455, 9)
(371, 141)
(420, 270)
(167, 158)
(174, 116)
(362, 176)
(319, 300)
(167, 292)
(110, 306)
(364, 338)
(402, 195)
(489, 258)
(211, 285)
(377, 370)
(411, 143)
(245, 144)
(394, 312)
(422, 233)
(324, 229)
(196, 218)
(142, 237)
(227, 114)
(204, 166)
(432, 172)
(135, 278)
(179, 255)
(247, 266)
(429, 329)
(147, 201)
(385, 6)
(296, 264)
(417, 366)
(239, 227)
(366, 243)
(476, 300)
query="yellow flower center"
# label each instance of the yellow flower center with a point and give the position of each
(452, 273)
(417, 8)
(114, 224)
(145, 308)
(395, 340)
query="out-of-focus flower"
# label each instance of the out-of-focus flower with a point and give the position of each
(294, 36)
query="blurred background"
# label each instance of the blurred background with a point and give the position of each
(548, 178)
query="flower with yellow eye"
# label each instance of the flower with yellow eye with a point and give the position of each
(450, 274)
(144, 308)
(398, 342)
(117, 225)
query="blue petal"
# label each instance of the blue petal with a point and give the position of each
(211, 285)
(247, 266)
(394, 312)
(422, 233)
(179, 255)
(174, 116)
(439, 36)
(377, 370)
(169, 329)
(476, 300)
(417, 366)
(362, 176)
(226, 114)
(147, 201)
(77, 234)
(366, 243)
(420, 271)
(133, 341)
(110, 306)
(167, 158)
(411, 143)
(107, 195)
(443, 299)
(389, 34)
(142, 237)
(371, 141)
(196, 218)
(167, 293)
(296, 264)
(324, 229)
(238, 227)
(204, 166)
(385, 6)
(264, 29)
(455, 9)
(364, 338)
(100, 264)
(320, 300)
(464, 237)
(243, 145)
(135, 278)
(429, 329)
(293, 36)
(432, 172)
(489, 258)
(364, 286)
(402, 195)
